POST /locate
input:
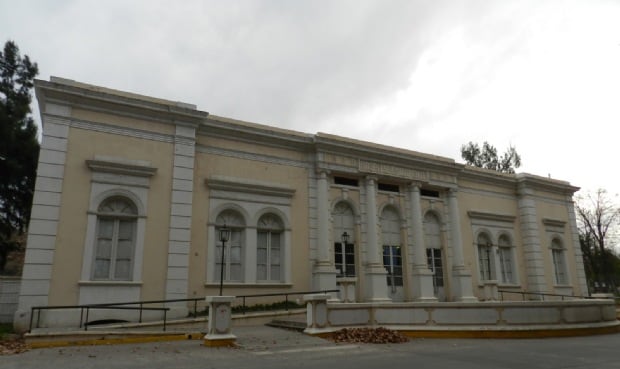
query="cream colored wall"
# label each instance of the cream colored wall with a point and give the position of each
(84, 145)
(503, 200)
(489, 203)
(248, 147)
(556, 211)
(207, 165)
(121, 121)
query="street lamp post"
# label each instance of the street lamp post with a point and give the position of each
(224, 234)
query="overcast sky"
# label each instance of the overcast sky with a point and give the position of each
(429, 76)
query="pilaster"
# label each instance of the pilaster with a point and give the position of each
(181, 216)
(531, 240)
(45, 214)
(422, 276)
(461, 277)
(375, 273)
(324, 274)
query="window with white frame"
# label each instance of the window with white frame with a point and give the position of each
(486, 262)
(233, 252)
(269, 248)
(344, 242)
(559, 262)
(392, 257)
(115, 240)
(432, 239)
(505, 260)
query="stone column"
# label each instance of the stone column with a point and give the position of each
(324, 270)
(530, 234)
(461, 288)
(422, 276)
(376, 282)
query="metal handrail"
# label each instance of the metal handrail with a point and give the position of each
(286, 295)
(123, 306)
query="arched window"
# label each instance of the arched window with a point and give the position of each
(486, 261)
(392, 256)
(559, 261)
(115, 242)
(505, 259)
(233, 254)
(432, 238)
(270, 239)
(344, 239)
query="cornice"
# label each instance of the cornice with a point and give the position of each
(75, 94)
(508, 218)
(369, 151)
(488, 176)
(116, 167)
(554, 222)
(248, 186)
(215, 126)
(530, 181)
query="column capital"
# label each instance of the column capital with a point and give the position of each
(370, 179)
(322, 172)
(415, 186)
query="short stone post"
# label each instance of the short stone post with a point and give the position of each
(220, 322)
(316, 313)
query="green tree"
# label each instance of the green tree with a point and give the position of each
(487, 158)
(19, 147)
(597, 218)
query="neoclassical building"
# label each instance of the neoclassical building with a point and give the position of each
(132, 191)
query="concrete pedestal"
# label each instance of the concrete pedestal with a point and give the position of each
(316, 313)
(220, 322)
(422, 289)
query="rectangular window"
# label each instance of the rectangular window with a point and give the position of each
(388, 187)
(429, 193)
(393, 263)
(344, 259)
(559, 266)
(435, 264)
(268, 256)
(233, 258)
(487, 264)
(114, 251)
(505, 261)
(346, 181)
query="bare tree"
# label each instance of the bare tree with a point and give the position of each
(598, 220)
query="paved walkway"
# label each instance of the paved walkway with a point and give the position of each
(274, 348)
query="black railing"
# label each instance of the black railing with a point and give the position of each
(286, 295)
(85, 309)
(541, 295)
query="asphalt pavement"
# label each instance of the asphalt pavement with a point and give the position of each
(267, 347)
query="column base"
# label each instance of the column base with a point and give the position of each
(462, 285)
(422, 285)
(376, 284)
(324, 278)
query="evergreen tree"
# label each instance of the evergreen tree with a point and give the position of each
(486, 157)
(19, 147)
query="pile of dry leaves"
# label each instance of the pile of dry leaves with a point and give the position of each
(10, 346)
(368, 335)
